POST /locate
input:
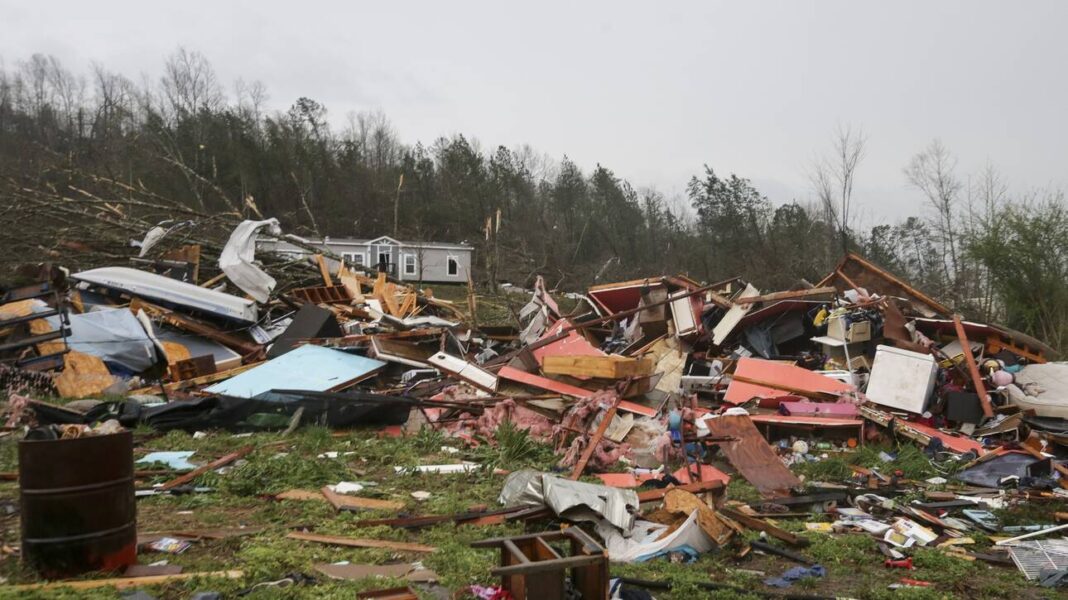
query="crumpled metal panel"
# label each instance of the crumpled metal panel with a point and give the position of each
(752, 456)
(573, 500)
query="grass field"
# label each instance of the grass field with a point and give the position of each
(241, 497)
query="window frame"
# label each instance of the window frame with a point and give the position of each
(415, 264)
(452, 259)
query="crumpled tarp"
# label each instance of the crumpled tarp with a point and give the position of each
(537, 312)
(238, 254)
(152, 238)
(573, 500)
(795, 574)
(114, 335)
(647, 540)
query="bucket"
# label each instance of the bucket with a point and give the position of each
(78, 511)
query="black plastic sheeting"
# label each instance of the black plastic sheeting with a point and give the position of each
(990, 473)
(272, 410)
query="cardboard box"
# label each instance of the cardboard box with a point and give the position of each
(837, 351)
(857, 331)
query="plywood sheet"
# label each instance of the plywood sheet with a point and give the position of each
(752, 456)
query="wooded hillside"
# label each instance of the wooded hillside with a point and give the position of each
(87, 159)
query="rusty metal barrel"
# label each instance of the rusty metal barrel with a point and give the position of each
(78, 509)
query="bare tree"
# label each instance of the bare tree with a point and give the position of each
(189, 84)
(987, 194)
(832, 178)
(251, 99)
(68, 94)
(932, 172)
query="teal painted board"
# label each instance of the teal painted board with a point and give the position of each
(312, 368)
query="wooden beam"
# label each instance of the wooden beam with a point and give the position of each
(215, 464)
(606, 367)
(973, 369)
(762, 525)
(213, 280)
(846, 278)
(302, 495)
(343, 502)
(595, 439)
(359, 542)
(791, 295)
(185, 323)
(121, 583)
(324, 270)
(472, 303)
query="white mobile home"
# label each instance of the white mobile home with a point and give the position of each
(433, 262)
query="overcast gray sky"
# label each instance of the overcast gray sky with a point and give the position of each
(652, 90)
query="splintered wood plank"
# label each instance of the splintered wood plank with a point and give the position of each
(127, 582)
(595, 440)
(302, 495)
(360, 542)
(220, 533)
(351, 283)
(324, 270)
(973, 370)
(606, 367)
(761, 525)
(777, 296)
(343, 502)
(389, 297)
(215, 464)
(407, 304)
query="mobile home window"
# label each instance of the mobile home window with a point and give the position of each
(409, 264)
(454, 266)
(358, 259)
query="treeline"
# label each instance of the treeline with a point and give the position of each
(189, 139)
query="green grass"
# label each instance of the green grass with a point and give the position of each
(280, 463)
(909, 459)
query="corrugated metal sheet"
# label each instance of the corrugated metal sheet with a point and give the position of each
(752, 456)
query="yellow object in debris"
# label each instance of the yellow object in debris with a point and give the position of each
(820, 318)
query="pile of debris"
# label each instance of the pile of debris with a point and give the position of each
(663, 385)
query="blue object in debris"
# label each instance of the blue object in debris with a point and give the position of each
(795, 574)
(179, 461)
(307, 368)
